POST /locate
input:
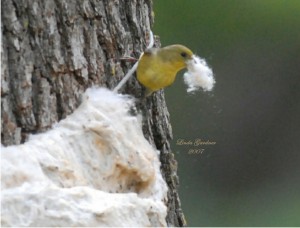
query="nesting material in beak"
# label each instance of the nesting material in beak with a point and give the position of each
(199, 75)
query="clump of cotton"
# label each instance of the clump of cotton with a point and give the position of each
(199, 75)
(94, 168)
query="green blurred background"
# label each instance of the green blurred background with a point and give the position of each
(251, 177)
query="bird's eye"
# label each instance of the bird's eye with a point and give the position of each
(183, 54)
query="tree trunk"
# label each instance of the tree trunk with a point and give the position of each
(53, 50)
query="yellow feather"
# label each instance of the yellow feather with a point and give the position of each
(157, 68)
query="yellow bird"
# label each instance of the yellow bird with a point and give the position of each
(157, 67)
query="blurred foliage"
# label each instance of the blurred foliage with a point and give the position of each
(221, 23)
(251, 177)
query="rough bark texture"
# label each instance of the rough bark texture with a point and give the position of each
(53, 50)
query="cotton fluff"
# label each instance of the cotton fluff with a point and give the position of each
(93, 169)
(198, 75)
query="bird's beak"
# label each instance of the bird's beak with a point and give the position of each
(189, 60)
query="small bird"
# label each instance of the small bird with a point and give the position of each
(157, 67)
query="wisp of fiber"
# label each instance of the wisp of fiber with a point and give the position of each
(199, 75)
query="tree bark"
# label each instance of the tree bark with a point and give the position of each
(53, 50)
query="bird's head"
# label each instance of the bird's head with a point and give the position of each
(176, 55)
